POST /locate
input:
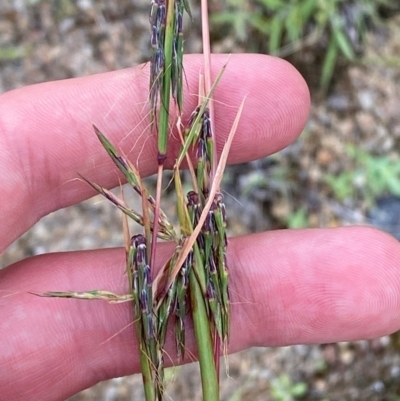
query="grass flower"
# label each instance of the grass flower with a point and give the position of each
(195, 279)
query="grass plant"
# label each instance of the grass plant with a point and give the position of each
(371, 176)
(280, 27)
(195, 279)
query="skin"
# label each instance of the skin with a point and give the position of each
(288, 287)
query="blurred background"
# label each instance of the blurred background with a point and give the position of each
(344, 169)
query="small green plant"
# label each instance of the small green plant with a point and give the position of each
(283, 389)
(273, 182)
(11, 53)
(370, 177)
(338, 26)
(298, 218)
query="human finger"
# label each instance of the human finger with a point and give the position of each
(47, 138)
(287, 287)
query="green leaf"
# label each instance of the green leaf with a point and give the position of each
(344, 44)
(261, 24)
(298, 219)
(294, 24)
(329, 65)
(11, 53)
(299, 389)
(342, 185)
(275, 35)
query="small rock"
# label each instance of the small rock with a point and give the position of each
(366, 99)
(85, 4)
(386, 215)
(324, 157)
(395, 372)
(66, 25)
(366, 122)
(378, 386)
(346, 357)
(339, 102)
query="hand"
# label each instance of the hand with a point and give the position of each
(287, 287)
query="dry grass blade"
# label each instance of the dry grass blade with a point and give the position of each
(89, 295)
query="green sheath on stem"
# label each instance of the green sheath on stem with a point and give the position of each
(209, 377)
(166, 87)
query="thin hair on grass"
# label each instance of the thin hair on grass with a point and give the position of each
(232, 197)
(130, 324)
(127, 88)
(12, 293)
(132, 130)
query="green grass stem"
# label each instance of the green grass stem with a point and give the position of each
(163, 126)
(209, 374)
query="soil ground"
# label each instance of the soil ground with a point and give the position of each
(49, 40)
